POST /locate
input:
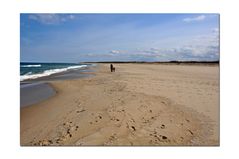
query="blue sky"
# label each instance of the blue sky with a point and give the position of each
(118, 37)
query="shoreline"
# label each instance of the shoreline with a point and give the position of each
(201, 63)
(140, 105)
(65, 75)
(34, 91)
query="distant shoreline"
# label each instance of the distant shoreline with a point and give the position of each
(157, 62)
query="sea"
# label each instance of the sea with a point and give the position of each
(36, 70)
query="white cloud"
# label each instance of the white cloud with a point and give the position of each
(48, 19)
(187, 52)
(197, 18)
(203, 47)
(215, 30)
(114, 52)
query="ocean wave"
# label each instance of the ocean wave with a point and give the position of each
(31, 66)
(48, 72)
(28, 73)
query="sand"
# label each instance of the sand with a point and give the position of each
(31, 93)
(139, 104)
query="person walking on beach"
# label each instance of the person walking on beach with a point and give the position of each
(111, 68)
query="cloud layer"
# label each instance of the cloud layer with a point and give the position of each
(51, 18)
(193, 19)
(200, 47)
(104, 37)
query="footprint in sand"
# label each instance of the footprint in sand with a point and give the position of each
(111, 139)
(80, 111)
(97, 118)
(69, 133)
(187, 120)
(190, 132)
(133, 128)
(131, 125)
(158, 138)
(116, 120)
(163, 102)
(162, 126)
(66, 131)
(68, 124)
(44, 142)
(164, 137)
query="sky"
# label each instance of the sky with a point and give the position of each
(118, 37)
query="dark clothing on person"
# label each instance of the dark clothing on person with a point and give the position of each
(112, 68)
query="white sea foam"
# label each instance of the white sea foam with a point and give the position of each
(48, 72)
(31, 66)
(28, 73)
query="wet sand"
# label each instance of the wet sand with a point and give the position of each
(32, 93)
(139, 104)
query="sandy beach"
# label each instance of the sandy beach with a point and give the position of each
(139, 104)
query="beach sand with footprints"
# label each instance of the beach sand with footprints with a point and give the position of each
(139, 104)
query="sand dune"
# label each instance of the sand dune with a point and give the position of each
(139, 104)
